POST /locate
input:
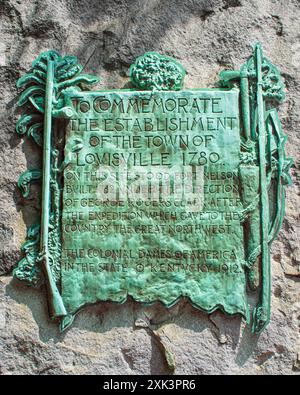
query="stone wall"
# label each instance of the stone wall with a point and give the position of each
(206, 36)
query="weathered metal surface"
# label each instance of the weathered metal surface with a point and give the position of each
(130, 226)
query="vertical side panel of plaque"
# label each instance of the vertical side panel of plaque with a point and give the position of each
(42, 120)
(264, 171)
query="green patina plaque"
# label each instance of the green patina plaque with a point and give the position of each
(158, 192)
(126, 229)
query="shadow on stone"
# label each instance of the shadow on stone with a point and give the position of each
(247, 346)
(105, 316)
(34, 300)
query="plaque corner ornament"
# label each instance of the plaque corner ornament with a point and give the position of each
(49, 91)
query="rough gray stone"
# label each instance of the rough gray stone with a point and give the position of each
(206, 36)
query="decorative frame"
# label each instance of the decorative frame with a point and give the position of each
(264, 167)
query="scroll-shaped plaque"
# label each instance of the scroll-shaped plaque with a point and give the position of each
(158, 192)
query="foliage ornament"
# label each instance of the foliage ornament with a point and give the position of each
(153, 71)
